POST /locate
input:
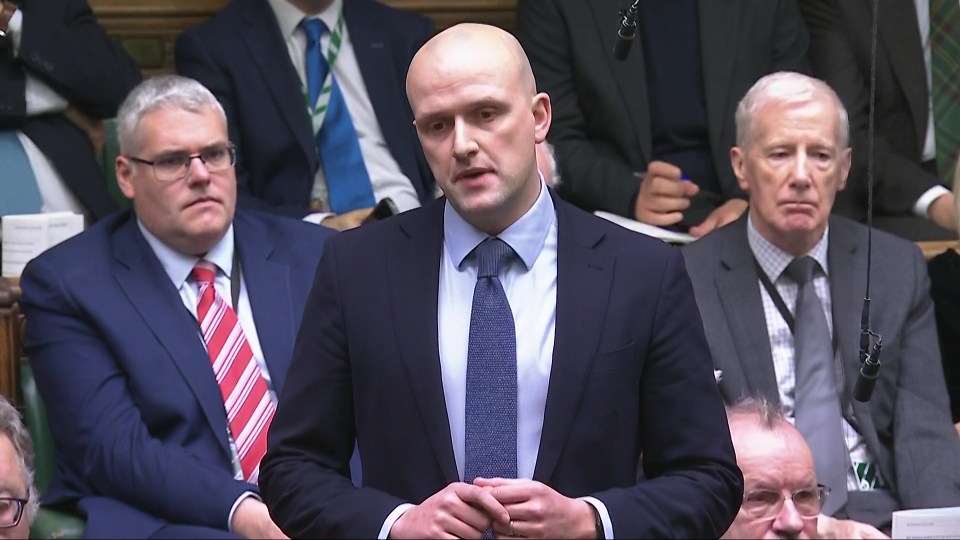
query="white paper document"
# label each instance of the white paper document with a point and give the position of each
(927, 523)
(26, 236)
(671, 237)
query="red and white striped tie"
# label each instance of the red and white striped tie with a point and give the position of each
(246, 397)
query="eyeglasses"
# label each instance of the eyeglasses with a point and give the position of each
(176, 166)
(766, 504)
(11, 510)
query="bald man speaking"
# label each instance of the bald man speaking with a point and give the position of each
(501, 357)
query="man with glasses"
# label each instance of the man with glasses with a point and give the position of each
(781, 496)
(160, 338)
(18, 494)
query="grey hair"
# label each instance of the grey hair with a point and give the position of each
(164, 91)
(766, 413)
(11, 425)
(786, 87)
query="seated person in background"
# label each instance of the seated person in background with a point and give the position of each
(18, 494)
(629, 134)
(142, 326)
(331, 162)
(916, 139)
(781, 497)
(59, 76)
(780, 292)
(945, 289)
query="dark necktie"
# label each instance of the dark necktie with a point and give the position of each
(945, 83)
(490, 439)
(817, 407)
(348, 183)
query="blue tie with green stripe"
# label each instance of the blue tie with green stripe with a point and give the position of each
(348, 182)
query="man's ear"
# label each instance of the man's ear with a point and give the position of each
(736, 161)
(124, 170)
(846, 160)
(542, 116)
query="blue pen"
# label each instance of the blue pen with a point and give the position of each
(685, 178)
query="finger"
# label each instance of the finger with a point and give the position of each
(660, 220)
(483, 500)
(660, 204)
(662, 168)
(690, 188)
(662, 186)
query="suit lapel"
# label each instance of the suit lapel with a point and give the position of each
(153, 296)
(847, 270)
(584, 279)
(268, 50)
(738, 288)
(630, 75)
(415, 258)
(900, 37)
(719, 33)
(271, 301)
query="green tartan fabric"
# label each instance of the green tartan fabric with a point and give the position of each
(945, 84)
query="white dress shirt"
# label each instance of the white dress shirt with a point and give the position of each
(178, 267)
(530, 283)
(386, 177)
(41, 99)
(773, 261)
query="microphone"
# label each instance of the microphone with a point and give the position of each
(627, 32)
(869, 361)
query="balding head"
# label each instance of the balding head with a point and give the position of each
(479, 118)
(471, 46)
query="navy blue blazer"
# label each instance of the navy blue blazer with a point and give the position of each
(241, 57)
(63, 46)
(137, 418)
(631, 373)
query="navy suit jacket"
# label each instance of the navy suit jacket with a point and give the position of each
(63, 46)
(136, 414)
(631, 374)
(241, 57)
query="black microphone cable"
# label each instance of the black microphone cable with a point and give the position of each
(870, 342)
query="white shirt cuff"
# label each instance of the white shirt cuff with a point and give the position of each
(317, 217)
(233, 509)
(41, 99)
(604, 516)
(923, 203)
(391, 519)
(14, 28)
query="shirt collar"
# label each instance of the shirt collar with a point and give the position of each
(289, 16)
(526, 236)
(775, 260)
(178, 265)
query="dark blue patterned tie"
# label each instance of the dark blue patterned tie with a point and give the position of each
(490, 440)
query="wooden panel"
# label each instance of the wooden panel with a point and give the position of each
(149, 28)
(11, 335)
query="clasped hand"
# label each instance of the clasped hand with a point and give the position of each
(511, 507)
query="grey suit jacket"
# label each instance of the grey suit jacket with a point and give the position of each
(906, 424)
